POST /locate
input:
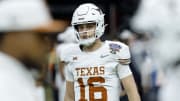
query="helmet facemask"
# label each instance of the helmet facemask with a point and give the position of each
(86, 33)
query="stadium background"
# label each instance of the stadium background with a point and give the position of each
(118, 15)
(117, 12)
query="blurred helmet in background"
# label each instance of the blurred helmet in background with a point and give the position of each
(23, 15)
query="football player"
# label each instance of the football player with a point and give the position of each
(95, 69)
(25, 37)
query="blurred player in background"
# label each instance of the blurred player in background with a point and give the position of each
(95, 69)
(26, 33)
(161, 17)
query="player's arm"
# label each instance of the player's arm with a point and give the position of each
(61, 68)
(130, 88)
(128, 82)
(69, 94)
(125, 74)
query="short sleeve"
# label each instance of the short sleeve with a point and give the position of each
(124, 55)
(123, 71)
(68, 74)
(120, 52)
(65, 50)
(61, 51)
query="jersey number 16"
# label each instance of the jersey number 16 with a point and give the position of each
(92, 89)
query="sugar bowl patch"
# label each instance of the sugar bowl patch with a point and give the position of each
(114, 48)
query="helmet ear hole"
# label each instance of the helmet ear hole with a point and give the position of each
(96, 24)
(77, 36)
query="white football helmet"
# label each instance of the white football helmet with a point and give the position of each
(20, 15)
(88, 13)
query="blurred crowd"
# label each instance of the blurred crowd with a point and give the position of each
(149, 27)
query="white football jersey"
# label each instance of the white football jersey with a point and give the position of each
(97, 74)
(16, 82)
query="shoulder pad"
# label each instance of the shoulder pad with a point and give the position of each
(64, 51)
(120, 51)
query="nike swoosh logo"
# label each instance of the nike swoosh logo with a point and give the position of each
(103, 56)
